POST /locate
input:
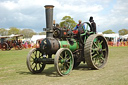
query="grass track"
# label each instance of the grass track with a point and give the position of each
(13, 71)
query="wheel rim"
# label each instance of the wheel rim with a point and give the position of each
(64, 61)
(98, 52)
(33, 63)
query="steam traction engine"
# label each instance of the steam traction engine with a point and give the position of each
(67, 50)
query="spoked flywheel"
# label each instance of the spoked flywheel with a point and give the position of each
(33, 63)
(96, 51)
(63, 61)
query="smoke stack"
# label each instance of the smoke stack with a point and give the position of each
(49, 20)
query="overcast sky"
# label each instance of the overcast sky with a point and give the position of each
(108, 14)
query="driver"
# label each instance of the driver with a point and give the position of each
(75, 31)
(93, 24)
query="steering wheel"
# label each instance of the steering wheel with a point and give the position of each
(84, 32)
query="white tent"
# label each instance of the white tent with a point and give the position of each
(125, 36)
(114, 36)
(36, 37)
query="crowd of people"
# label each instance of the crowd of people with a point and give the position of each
(28, 44)
(120, 42)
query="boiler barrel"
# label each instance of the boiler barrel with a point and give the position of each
(52, 45)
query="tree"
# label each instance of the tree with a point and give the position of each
(3, 32)
(108, 32)
(68, 21)
(13, 30)
(27, 33)
(123, 32)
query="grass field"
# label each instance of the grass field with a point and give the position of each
(13, 71)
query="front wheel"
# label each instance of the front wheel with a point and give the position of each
(96, 51)
(63, 61)
(33, 63)
(5, 46)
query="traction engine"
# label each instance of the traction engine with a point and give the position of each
(67, 50)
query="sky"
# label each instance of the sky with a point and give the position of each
(30, 14)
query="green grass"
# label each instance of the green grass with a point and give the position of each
(13, 71)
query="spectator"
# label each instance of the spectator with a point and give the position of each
(26, 44)
(127, 41)
(32, 44)
(118, 41)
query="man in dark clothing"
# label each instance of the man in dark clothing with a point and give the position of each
(93, 24)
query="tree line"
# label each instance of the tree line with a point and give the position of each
(121, 32)
(27, 33)
(67, 22)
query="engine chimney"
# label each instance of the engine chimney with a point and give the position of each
(49, 20)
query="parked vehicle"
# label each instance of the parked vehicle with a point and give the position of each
(67, 50)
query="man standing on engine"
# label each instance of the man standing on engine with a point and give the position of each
(93, 24)
(77, 26)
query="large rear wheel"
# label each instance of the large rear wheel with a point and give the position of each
(63, 61)
(96, 51)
